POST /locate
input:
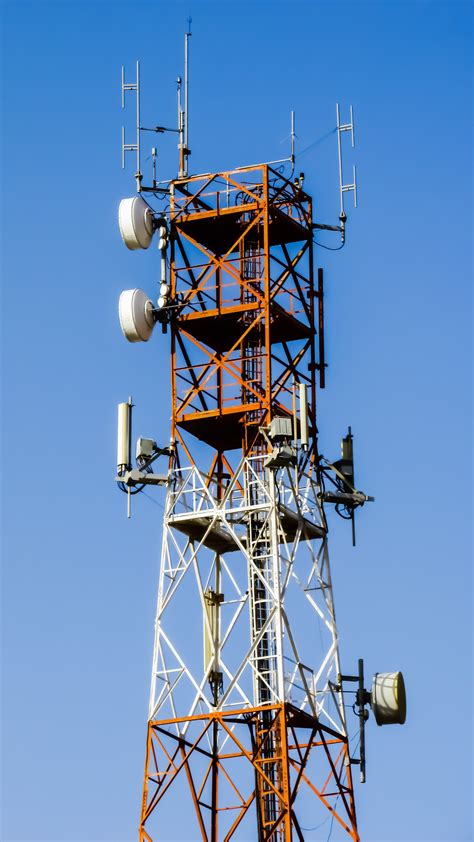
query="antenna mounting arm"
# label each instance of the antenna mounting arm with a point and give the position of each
(136, 477)
(323, 227)
(159, 129)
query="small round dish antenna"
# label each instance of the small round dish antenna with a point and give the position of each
(136, 223)
(136, 315)
(388, 698)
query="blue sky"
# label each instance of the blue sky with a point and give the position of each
(79, 581)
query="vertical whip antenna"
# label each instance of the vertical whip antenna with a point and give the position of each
(345, 188)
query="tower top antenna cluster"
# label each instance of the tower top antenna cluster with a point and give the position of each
(182, 128)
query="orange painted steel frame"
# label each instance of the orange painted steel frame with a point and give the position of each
(241, 269)
(170, 753)
(215, 324)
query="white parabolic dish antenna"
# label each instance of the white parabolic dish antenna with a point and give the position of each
(136, 223)
(136, 315)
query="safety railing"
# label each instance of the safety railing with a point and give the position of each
(239, 190)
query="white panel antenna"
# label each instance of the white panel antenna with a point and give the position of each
(124, 436)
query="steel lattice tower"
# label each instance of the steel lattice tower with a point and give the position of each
(246, 715)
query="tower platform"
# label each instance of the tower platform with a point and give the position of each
(218, 229)
(201, 528)
(221, 328)
(219, 428)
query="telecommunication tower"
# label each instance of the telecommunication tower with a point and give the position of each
(247, 712)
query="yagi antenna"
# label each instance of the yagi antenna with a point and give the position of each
(132, 147)
(345, 188)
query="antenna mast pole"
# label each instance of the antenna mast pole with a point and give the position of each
(186, 97)
(181, 143)
(293, 136)
(138, 174)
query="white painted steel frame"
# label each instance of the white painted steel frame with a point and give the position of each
(296, 583)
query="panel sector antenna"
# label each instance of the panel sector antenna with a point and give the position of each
(247, 734)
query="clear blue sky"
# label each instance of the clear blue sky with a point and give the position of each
(79, 581)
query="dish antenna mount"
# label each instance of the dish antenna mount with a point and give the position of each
(386, 698)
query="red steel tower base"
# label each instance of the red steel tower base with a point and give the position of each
(182, 767)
